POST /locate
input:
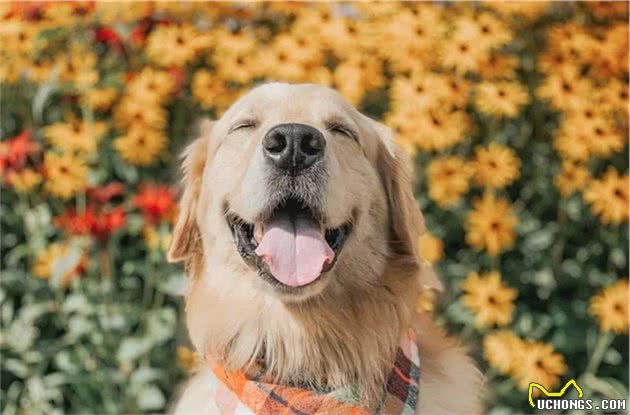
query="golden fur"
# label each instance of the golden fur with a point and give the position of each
(345, 327)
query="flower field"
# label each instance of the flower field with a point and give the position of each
(516, 115)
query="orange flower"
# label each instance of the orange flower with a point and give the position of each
(490, 225)
(608, 197)
(14, 151)
(156, 202)
(99, 223)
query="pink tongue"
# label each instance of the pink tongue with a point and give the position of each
(295, 250)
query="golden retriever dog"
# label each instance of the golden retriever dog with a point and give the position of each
(299, 230)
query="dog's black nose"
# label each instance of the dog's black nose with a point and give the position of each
(293, 147)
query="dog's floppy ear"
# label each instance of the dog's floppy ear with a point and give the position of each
(186, 235)
(406, 220)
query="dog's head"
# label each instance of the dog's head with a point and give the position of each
(296, 192)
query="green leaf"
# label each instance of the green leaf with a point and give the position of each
(144, 375)
(77, 303)
(161, 324)
(17, 367)
(151, 398)
(78, 326)
(64, 362)
(132, 348)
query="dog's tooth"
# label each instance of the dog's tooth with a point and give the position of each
(258, 231)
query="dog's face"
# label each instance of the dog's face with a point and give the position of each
(295, 192)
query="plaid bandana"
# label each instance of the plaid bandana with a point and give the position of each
(236, 394)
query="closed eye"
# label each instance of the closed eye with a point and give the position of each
(338, 128)
(243, 124)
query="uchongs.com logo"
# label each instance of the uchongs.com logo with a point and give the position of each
(556, 400)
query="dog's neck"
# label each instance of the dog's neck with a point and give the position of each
(343, 336)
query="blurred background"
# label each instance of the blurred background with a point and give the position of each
(516, 115)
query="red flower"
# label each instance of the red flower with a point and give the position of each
(109, 36)
(77, 223)
(104, 194)
(156, 202)
(14, 151)
(139, 34)
(108, 222)
(99, 224)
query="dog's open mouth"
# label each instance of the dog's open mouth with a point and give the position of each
(291, 246)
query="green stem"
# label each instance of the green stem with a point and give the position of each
(557, 252)
(603, 342)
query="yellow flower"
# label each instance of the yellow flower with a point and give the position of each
(573, 39)
(131, 111)
(100, 99)
(211, 91)
(565, 88)
(552, 59)
(605, 139)
(438, 128)
(66, 174)
(502, 350)
(608, 57)
(111, 13)
(501, 98)
(425, 90)
(610, 306)
(172, 45)
(613, 96)
(490, 299)
(58, 261)
(78, 67)
(151, 85)
(490, 225)
(484, 30)
(234, 58)
(608, 197)
(356, 75)
(414, 32)
(155, 240)
(19, 37)
(572, 144)
(431, 247)
(341, 35)
(417, 90)
(456, 90)
(462, 54)
(12, 67)
(574, 176)
(286, 59)
(496, 166)
(449, 179)
(497, 66)
(76, 136)
(540, 363)
(140, 146)
(24, 180)
(188, 359)
(40, 70)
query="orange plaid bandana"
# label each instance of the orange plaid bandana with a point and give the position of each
(236, 394)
